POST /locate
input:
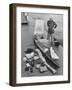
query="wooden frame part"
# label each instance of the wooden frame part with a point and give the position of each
(13, 43)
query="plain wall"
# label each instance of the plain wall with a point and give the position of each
(4, 45)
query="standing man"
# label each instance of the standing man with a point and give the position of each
(51, 26)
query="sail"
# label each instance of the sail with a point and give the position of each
(53, 54)
(39, 27)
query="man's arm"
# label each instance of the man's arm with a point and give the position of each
(48, 23)
(55, 25)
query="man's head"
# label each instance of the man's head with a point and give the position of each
(51, 18)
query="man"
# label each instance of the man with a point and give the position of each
(51, 26)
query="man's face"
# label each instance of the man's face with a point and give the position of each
(51, 19)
